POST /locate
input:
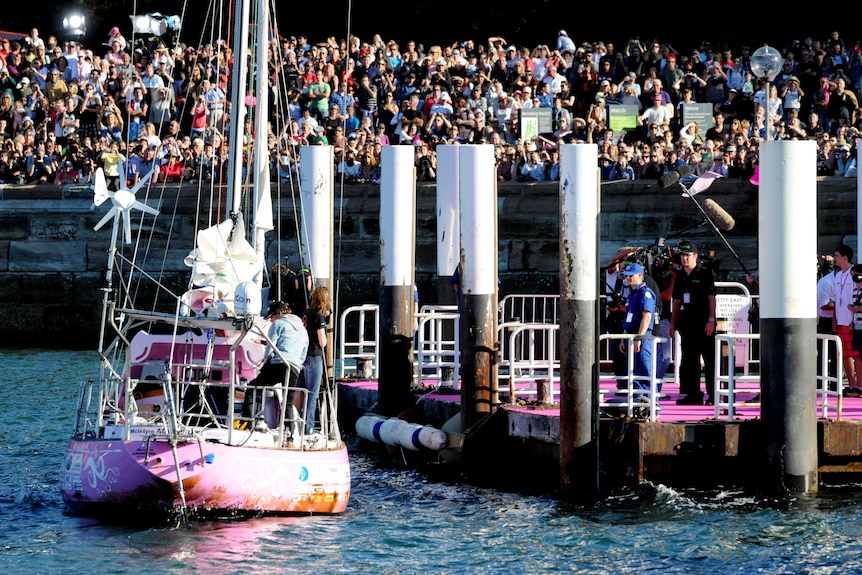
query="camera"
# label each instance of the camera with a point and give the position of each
(616, 301)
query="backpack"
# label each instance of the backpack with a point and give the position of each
(291, 286)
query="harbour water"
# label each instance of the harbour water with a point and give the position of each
(398, 521)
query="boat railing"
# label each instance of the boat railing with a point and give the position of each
(638, 392)
(438, 351)
(203, 404)
(531, 361)
(359, 341)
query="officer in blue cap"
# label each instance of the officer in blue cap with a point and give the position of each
(639, 320)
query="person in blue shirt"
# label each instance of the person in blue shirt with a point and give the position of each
(288, 335)
(639, 320)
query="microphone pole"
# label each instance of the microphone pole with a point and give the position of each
(718, 231)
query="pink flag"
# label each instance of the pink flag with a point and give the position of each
(702, 183)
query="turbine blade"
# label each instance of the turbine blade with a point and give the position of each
(107, 217)
(127, 226)
(100, 188)
(142, 181)
(145, 208)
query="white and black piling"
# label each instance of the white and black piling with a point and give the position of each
(397, 241)
(316, 193)
(787, 219)
(478, 308)
(448, 241)
(579, 217)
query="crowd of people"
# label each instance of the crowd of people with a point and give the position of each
(139, 105)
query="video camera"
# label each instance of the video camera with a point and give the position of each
(660, 259)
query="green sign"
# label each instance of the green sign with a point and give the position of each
(622, 118)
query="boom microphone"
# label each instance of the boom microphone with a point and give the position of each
(721, 218)
(672, 177)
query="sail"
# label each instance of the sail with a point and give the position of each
(223, 257)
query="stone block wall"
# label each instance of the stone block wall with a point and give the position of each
(52, 262)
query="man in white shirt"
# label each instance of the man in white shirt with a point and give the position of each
(825, 308)
(842, 322)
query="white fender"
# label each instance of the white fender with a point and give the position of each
(390, 430)
(368, 427)
(408, 436)
(433, 438)
(414, 437)
(399, 433)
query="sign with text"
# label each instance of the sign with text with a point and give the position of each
(622, 118)
(534, 121)
(700, 114)
(731, 313)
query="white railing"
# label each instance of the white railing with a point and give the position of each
(829, 386)
(362, 322)
(529, 308)
(438, 353)
(540, 362)
(728, 384)
(516, 310)
(631, 397)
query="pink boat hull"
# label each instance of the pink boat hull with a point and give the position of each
(107, 477)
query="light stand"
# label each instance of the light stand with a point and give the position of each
(766, 63)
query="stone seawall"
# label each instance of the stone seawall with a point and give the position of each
(52, 263)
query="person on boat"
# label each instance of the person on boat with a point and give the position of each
(315, 319)
(289, 337)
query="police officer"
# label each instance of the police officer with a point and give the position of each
(640, 319)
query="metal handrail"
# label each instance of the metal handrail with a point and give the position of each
(633, 395)
(361, 347)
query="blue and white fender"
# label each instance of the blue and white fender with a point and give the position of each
(399, 433)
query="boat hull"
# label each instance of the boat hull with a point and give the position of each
(111, 477)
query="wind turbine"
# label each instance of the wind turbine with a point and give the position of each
(123, 201)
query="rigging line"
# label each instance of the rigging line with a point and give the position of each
(340, 250)
(276, 113)
(150, 238)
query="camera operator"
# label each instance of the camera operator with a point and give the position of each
(40, 168)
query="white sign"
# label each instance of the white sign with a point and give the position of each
(731, 314)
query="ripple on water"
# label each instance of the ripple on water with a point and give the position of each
(401, 522)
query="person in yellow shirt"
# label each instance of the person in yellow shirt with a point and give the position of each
(111, 163)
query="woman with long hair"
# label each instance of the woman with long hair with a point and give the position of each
(315, 319)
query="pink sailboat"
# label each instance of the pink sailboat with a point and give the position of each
(162, 430)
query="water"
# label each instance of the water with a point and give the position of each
(398, 522)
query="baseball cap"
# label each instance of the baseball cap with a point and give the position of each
(633, 269)
(687, 247)
(276, 307)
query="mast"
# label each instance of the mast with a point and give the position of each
(262, 191)
(237, 103)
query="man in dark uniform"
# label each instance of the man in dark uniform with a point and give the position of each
(694, 317)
